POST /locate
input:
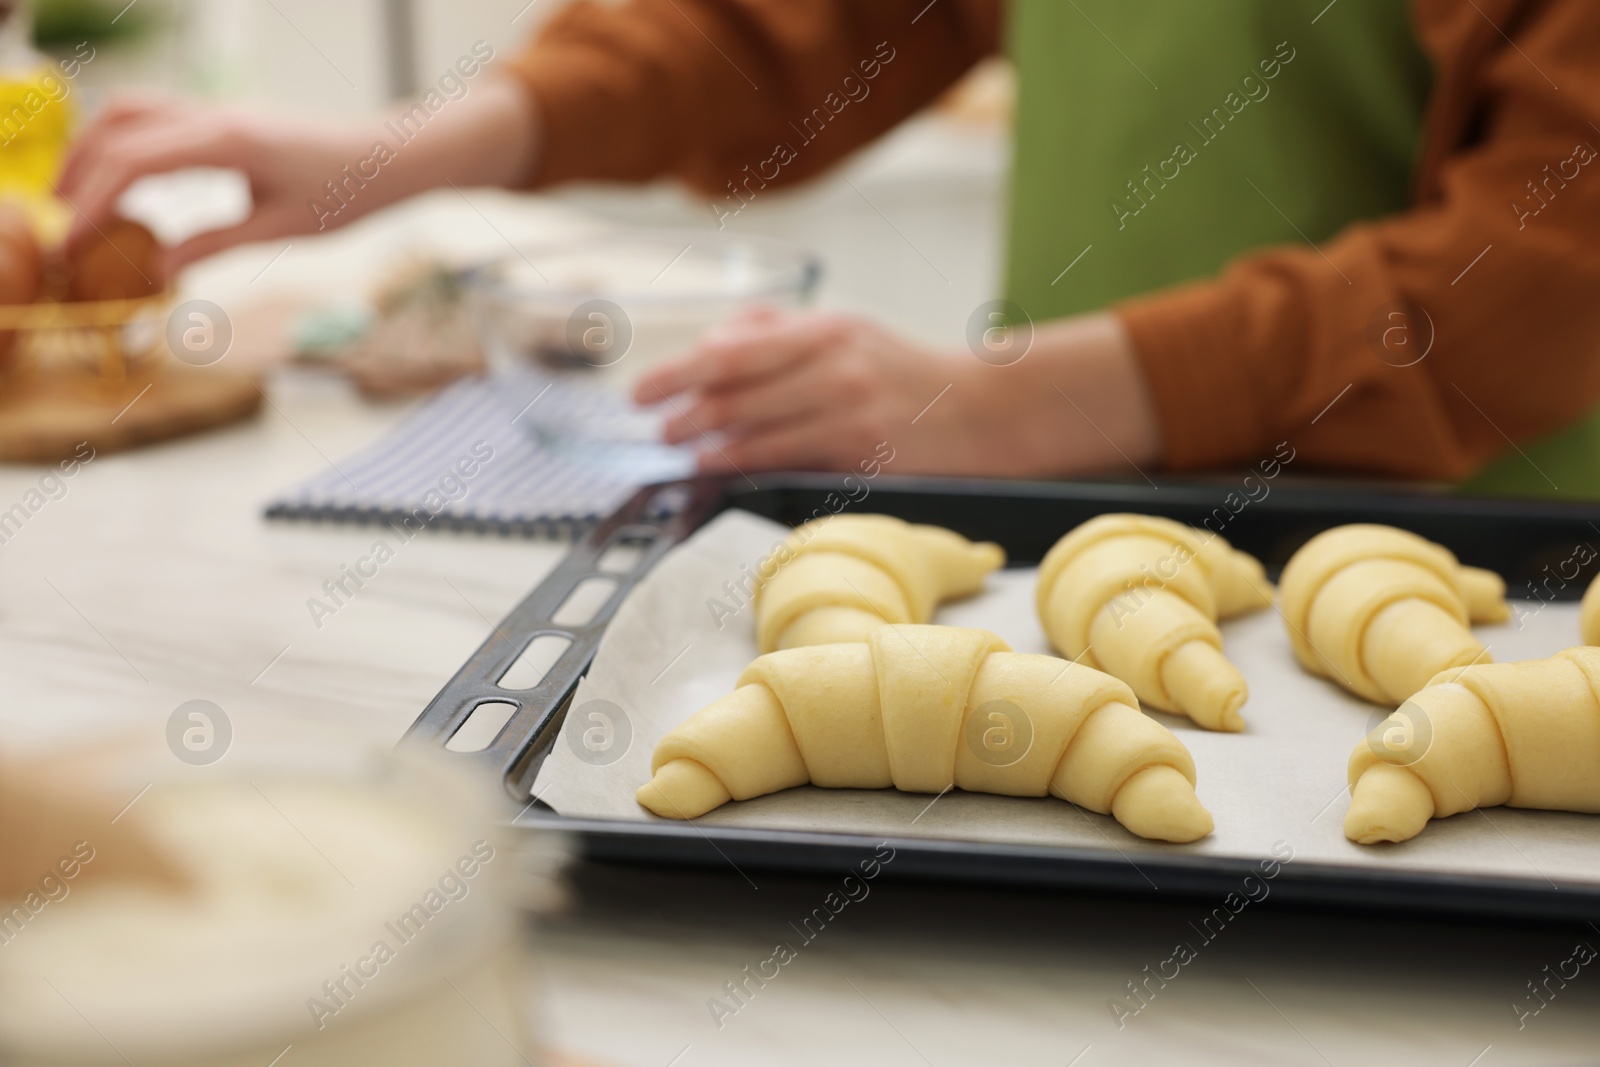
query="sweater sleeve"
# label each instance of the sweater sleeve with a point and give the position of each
(702, 89)
(1424, 344)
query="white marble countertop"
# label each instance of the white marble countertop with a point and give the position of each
(155, 580)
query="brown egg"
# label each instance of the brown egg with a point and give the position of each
(21, 261)
(120, 261)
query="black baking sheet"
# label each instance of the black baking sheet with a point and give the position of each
(1537, 547)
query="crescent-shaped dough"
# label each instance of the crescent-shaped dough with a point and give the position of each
(925, 709)
(841, 577)
(1589, 614)
(1381, 610)
(1522, 734)
(1139, 597)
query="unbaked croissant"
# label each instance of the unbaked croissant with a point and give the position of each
(1139, 598)
(922, 709)
(841, 577)
(1522, 734)
(1381, 610)
(1589, 614)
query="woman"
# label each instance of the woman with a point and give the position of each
(1362, 228)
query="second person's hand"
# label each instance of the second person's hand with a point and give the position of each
(485, 138)
(285, 163)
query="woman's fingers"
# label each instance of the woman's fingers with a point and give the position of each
(119, 114)
(802, 444)
(128, 155)
(103, 143)
(745, 350)
(263, 224)
(818, 392)
(122, 112)
(799, 390)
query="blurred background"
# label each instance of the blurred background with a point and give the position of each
(907, 230)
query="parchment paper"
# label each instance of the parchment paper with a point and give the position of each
(664, 657)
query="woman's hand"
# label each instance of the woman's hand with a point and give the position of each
(823, 391)
(484, 138)
(803, 391)
(285, 163)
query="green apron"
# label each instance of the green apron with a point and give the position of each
(1156, 140)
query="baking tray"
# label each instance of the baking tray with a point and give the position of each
(1531, 544)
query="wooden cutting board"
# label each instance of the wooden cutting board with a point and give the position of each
(45, 415)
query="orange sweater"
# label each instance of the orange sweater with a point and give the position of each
(1499, 249)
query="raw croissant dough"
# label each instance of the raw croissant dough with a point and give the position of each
(1381, 610)
(1589, 614)
(1139, 597)
(894, 711)
(1523, 734)
(840, 578)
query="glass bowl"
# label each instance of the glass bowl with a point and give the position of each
(610, 304)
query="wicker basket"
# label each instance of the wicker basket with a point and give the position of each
(102, 342)
(99, 373)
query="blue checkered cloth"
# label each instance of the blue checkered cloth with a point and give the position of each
(561, 454)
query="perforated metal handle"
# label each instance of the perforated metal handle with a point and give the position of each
(655, 518)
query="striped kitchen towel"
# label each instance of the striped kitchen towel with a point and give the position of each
(525, 452)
